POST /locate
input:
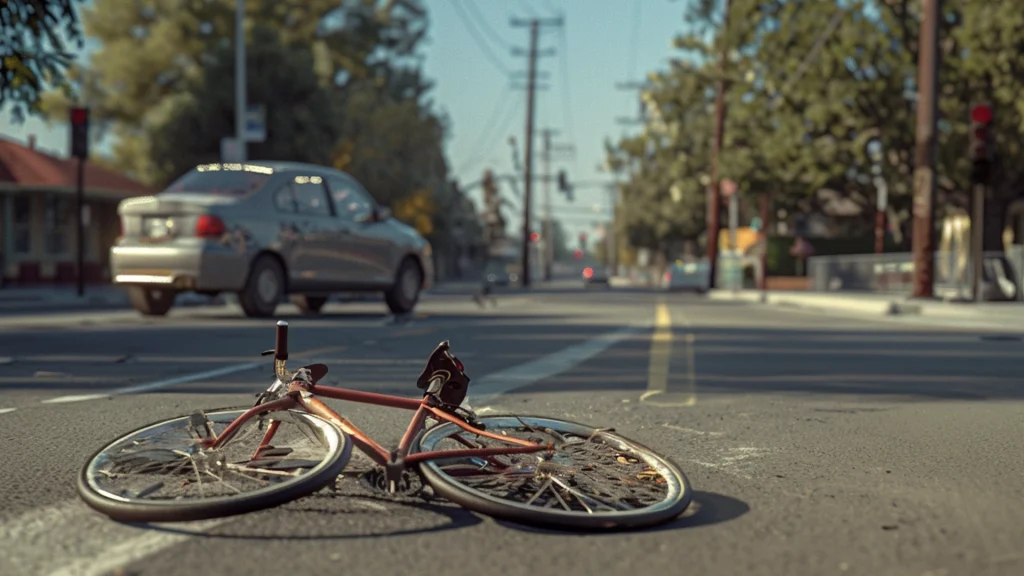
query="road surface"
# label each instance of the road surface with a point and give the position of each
(817, 444)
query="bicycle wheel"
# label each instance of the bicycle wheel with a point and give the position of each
(159, 473)
(595, 479)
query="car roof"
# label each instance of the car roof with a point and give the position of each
(283, 166)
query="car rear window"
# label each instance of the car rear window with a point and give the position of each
(222, 180)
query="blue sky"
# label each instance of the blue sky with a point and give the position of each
(596, 48)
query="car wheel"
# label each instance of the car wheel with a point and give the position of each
(309, 304)
(263, 289)
(405, 292)
(151, 301)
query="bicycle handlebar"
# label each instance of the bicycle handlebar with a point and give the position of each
(281, 341)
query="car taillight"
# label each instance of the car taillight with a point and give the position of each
(588, 273)
(208, 226)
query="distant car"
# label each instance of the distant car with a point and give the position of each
(690, 276)
(265, 230)
(595, 275)
(502, 272)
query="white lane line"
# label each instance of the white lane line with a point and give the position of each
(158, 384)
(6, 410)
(488, 387)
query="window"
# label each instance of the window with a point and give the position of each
(310, 196)
(59, 219)
(284, 200)
(22, 217)
(222, 180)
(351, 201)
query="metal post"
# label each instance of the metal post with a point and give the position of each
(80, 232)
(924, 157)
(734, 223)
(527, 195)
(977, 239)
(240, 83)
(613, 254)
(762, 281)
(713, 193)
(549, 245)
(881, 205)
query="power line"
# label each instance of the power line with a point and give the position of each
(566, 96)
(510, 113)
(479, 17)
(488, 126)
(484, 47)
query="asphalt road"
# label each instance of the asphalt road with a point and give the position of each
(817, 444)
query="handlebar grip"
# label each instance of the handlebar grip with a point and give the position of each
(281, 341)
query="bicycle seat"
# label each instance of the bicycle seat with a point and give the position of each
(444, 366)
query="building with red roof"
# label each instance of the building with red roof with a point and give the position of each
(37, 210)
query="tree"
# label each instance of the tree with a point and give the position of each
(302, 122)
(34, 53)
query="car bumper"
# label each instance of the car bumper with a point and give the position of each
(201, 266)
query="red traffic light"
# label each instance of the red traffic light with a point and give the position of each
(79, 116)
(535, 236)
(982, 113)
(578, 254)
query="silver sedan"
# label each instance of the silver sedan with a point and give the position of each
(265, 230)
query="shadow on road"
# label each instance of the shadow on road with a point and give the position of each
(706, 509)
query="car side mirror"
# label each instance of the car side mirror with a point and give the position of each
(382, 213)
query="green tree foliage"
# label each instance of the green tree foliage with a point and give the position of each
(34, 49)
(301, 121)
(805, 97)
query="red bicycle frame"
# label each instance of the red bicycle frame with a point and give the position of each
(379, 454)
(302, 395)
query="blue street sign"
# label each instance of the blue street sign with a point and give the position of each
(256, 124)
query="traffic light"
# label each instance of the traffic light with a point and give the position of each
(981, 142)
(578, 254)
(564, 186)
(534, 237)
(80, 133)
(583, 238)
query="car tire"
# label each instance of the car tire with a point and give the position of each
(403, 295)
(309, 304)
(151, 301)
(264, 288)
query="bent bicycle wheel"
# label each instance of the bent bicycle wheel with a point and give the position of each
(160, 473)
(595, 479)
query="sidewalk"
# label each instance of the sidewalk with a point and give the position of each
(63, 298)
(1003, 313)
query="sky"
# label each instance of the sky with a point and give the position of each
(479, 86)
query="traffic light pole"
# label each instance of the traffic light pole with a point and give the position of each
(714, 210)
(548, 234)
(80, 232)
(977, 238)
(924, 157)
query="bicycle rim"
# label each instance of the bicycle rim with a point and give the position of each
(133, 478)
(568, 489)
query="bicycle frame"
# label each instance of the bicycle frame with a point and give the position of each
(306, 400)
(302, 395)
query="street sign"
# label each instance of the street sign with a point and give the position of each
(230, 150)
(756, 224)
(728, 188)
(256, 124)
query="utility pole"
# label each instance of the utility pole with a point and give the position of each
(924, 158)
(534, 24)
(714, 212)
(548, 231)
(240, 82)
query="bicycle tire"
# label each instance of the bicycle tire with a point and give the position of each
(473, 499)
(118, 508)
